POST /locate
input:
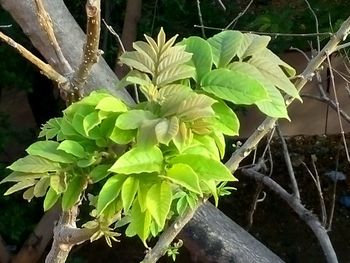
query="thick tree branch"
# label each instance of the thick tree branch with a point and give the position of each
(91, 50)
(307, 216)
(70, 38)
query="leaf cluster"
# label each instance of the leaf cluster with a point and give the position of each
(158, 158)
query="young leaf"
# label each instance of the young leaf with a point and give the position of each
(181, 205)
(28, 194)
(206, 168)
(51, 128)
(133, 119)
(275, 75)
(110, 191)
(195, 107)
(220, 142)
(275, 107)
(227, 121)
(183, 175)
(236, 87)
(34, 164)
(139, 160)
(19, 176)
(20, 185)
(58, 182)
(174, 73)
(166, 129)
(48, 150)
(225, 46)
(73, 148)
(90, 121)
(111, 104)
(99, 172)
(50, 199)
(120, 136)
(158, 201)
(71, 195)
(202, 55)
(41, 186)
(129, 190)
(139, 224)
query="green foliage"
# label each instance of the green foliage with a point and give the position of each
(157, 159)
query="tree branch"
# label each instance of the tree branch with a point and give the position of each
(4, 254)
(307, 216)
(91, 50)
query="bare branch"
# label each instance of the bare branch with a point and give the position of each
(290, 169)
(307, 216)
(91, 50)
(200, 18)
(234, 21)
(45, 69)
(46, 23)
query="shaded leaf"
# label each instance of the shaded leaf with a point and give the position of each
(71, 195)
(129, 190)
(72, 147)
(48, 150)
(41, 186)
(133, 119)
(20, 186)
(51, 198)
(166, 129)
(226, 120)
(99, 172)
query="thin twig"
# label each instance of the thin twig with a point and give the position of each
(301, 52)
(234, 21)
(200, 18)
(254, 204)
(221, 4)
(295, 188)
(121, 45)
(273, 34)
(5, 26)
(338, 108)
(316, 25)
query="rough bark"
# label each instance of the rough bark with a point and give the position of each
(216, 238)
(70, 37)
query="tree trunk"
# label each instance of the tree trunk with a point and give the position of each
(209, 231)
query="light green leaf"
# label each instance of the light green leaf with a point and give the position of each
(202, 55)
(51, 128)
(41, 186)
(213, 190)
(58, 182)
(28, 194)
(208, 142)
(99, 173)
(67, 129)
(19, 176)
(268, 54)
(158, 201)
(139, 160)
(206, 168)
(20, 186)
(236, 87)
(111, 104)
(252, 44)
(120, 136)
(72, 147)
(166, 129)
(129, 190)
(173, 57)
(139, 224)
(133, 119)
(174, 74)
(181, 205)
(275, 107)
(48, 150)
(183, 175)
(275, 75)
(225, 46)
(196, 107)
(226, 120)
(50, 199)
(34, 164)
(91, 121)
(220, 142)
(71, 195)
(109, 192)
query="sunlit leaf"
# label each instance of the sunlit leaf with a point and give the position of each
(20, 186)
(139, 160)
(166, 129)
(99, 172)
(233, 86)
(202, 55)
(73, 148)
(51, 128)
(51, 198)
(252, 44)
(225, 46)
(58, 182)
(111, 104)
(158, 202)
(129, 190)
(183, 175)
(71, 195)
(227, 121)
(110, 191)
(122, 136)
(34, 164)
(133, 119)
